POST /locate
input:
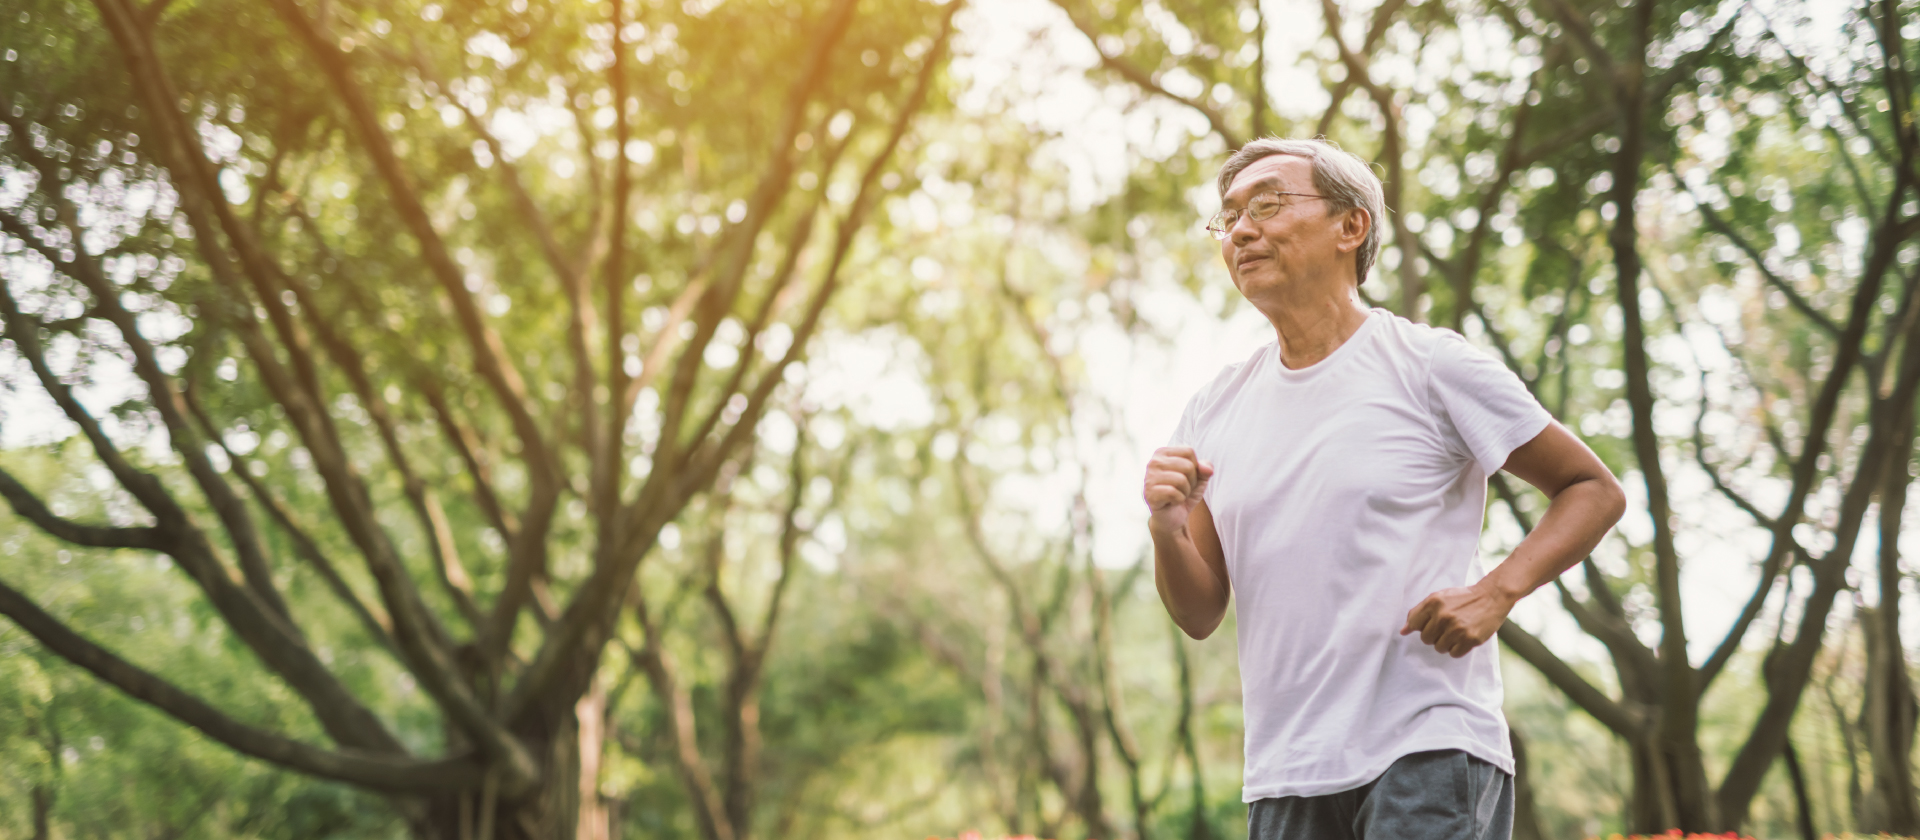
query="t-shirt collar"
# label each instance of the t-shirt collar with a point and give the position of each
(1334, 359)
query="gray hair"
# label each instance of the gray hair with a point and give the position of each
(1345, 180)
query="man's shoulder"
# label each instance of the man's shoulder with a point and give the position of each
(1426, 351)
(1207, 403)
(1425, 339)
(1232, 378)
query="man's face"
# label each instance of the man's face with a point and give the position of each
(1300, 244)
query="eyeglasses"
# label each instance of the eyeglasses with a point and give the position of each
(1260, 209)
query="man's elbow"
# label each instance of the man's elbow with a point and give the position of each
(1196, 613)
(1199, 627)
(1613, 499)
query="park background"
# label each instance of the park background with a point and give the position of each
(724, 418)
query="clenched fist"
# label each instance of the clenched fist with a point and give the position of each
(1457, 620)
(1175, 478)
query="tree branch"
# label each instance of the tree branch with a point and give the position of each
(678, 707)
(1610, 627)
(735, 251)
(29, 507)
(1583, 34)
(372, 619)
(1602, 708)
(1795, 663)
(583, 629)
(371, 770)
(1382, 18)
(1821, 417)
(490, 353)
(1779, 283)
(416, 630)
(1145, 81)
(161, 394)
(265, 631)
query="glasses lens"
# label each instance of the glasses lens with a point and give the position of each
(1264, 206)
(1221, 222)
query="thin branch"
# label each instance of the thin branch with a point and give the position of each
(776, 296)
(791, 532)
(1609, 626)
(1720, 226)
(162, 395)
(438, 531)
(465, 440)
(606, 443)
(265, 631)
(1412, 286)
(1795, 663)
(567, 652)
(1582, 31)
(1382, 17)
(29, 507)
(372, 618)
(369, 770)
(1145, 81)
(734, 254)
(1831, 89)
(1591, 700)
(529, 559)
(1821, 419)
(489, 352)
(775, 299)
(850, 226)
(678, 706)
(1713, 470)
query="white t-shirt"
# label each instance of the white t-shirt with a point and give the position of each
(1343, 494)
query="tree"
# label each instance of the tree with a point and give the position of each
(459, 366)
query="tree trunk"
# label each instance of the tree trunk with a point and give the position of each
(1202, 827)
(1670, 754)
(1803, 804)
(1890, 704)
(42, 813)
(551, 811)
(1665, 774)
(1654, 805)
(590, 715)
(1526, 823)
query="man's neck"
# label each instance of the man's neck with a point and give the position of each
(1310, 330)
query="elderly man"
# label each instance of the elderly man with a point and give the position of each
(1336, 480)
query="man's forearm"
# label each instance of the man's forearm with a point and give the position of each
(1192, 593)
(1577, 518)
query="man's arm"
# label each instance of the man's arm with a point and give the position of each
(1189, 568)
(1586, 502)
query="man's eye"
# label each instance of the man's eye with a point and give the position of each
(1264, 205)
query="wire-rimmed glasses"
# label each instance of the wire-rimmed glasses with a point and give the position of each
(1260, 209)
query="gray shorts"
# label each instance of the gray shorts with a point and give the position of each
(1438, 795)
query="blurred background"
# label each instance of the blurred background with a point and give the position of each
(723, 419)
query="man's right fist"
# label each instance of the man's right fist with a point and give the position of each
(1175, 478)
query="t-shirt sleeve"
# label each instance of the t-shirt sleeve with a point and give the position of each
(1184, 433)
(1479, 404)
(1187, 433)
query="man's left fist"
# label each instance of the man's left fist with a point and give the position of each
(1458, 620)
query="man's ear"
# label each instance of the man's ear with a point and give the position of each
(1354, 225)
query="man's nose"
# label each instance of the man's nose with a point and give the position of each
(1244, 230)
